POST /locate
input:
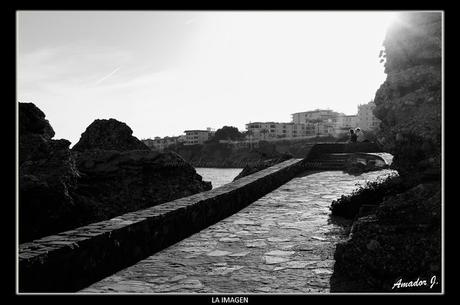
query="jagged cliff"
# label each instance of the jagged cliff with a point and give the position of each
(400, 241)
(409, 101)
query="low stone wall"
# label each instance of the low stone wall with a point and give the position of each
(72, 260)
(329, 148)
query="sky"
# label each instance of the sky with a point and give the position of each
(163, 72)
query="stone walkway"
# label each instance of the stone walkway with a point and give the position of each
(282, 243)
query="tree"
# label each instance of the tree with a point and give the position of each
(228, 133)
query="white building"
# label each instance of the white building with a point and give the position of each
(267, 131)
(366, 118)
(161, 143)
(314, 116)
(319, 122)
(194, 137)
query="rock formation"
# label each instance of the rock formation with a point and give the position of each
(409, 101)
(108, 173)
(400, 241)
(47, 176)
(109, 135)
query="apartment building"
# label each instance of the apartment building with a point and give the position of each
(194, 137)
(267, 131)
(319, 122)
(160, 144)
(366, 118)
(318, 115)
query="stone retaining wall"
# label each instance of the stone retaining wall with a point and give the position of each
(72, 260)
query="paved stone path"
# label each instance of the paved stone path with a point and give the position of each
(282, 243)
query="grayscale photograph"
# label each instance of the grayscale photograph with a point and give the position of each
(229, 154)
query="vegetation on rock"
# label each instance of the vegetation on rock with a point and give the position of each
(372, 193)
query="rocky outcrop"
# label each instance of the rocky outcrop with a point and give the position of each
(409, 101)
(402, 240)
(47, 176)
(106, 175)
(251, 169)
(399, 241)
(109, 135)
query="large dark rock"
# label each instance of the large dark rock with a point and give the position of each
(409, 101)
(47, 176)
(110, 135)
(32, 121)
(34, 132)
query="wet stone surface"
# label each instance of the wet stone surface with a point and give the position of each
(282, 243)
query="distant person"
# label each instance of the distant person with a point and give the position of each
(353, 136)
(360, 135)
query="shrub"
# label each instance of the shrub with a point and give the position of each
(372, 193)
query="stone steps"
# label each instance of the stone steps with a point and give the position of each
(328, 162)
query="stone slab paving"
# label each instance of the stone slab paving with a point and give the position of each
(282, 243)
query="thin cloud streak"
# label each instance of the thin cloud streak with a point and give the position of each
(107, 76)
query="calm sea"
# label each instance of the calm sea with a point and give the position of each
(218, 176)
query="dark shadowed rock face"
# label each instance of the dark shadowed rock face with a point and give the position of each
(34, 132)
(32, 121)
(114, 183)
(47, 176)
(60, 189)
(409, 101)
(401, 239)
(110, 135)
